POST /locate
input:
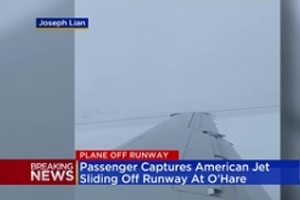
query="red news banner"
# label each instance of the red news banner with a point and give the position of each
(127, 155)
(64, 171)
(37, 172)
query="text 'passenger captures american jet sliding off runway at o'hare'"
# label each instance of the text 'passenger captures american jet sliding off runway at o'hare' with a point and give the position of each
(146, 167)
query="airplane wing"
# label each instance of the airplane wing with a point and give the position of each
(196, 136)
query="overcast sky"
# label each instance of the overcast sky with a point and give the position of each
(153, 58)
(150, 57)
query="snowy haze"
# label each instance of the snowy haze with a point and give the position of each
(149, 57)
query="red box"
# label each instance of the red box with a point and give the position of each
(127, 155)
(37, 172)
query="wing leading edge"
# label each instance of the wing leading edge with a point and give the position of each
(196, 136)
